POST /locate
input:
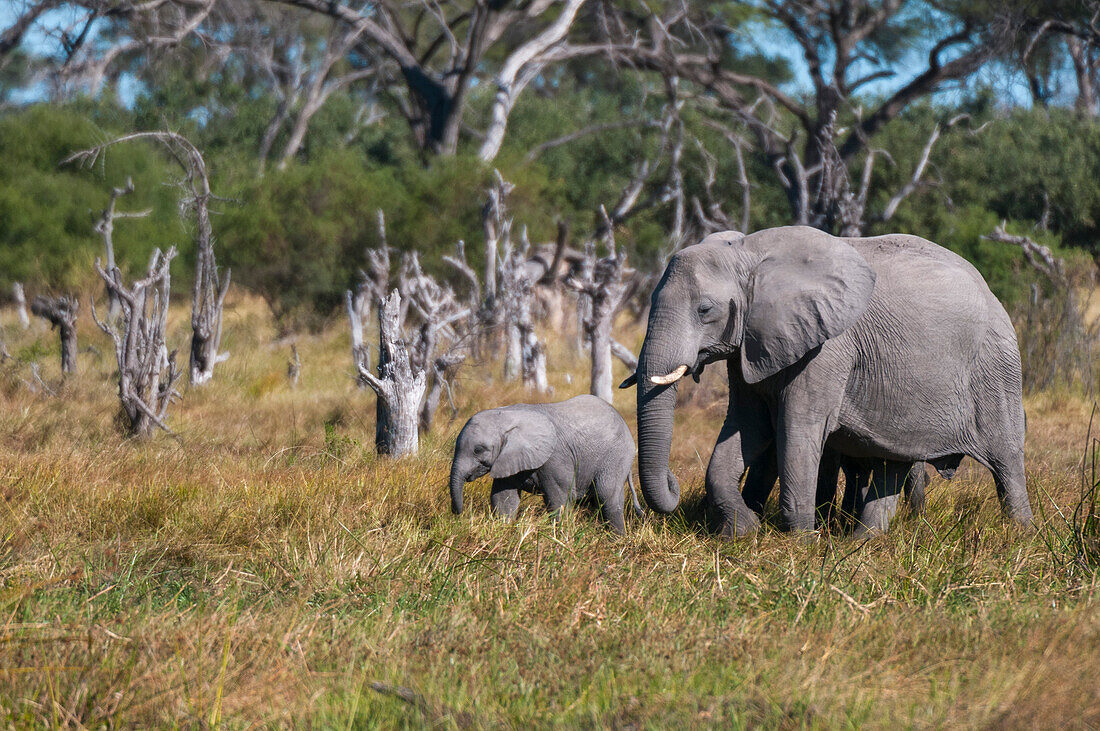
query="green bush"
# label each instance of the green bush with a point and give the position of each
(298, 236)
(47, 211)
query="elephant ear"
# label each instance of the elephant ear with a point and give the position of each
(526, 443)
(808, 287)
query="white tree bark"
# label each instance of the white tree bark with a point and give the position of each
(208, 290)
(147, 372)
(105, 227)
(518, 70)
(360, 351)
(601, 280)
(400, 389)
(21, 305)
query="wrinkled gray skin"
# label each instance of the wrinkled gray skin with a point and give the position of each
(890, 350)
(562, 450)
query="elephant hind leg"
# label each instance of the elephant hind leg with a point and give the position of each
(1008, 474)
(881, 497)
(916, 487)
(610, 496)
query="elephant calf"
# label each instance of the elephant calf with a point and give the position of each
(562, 450)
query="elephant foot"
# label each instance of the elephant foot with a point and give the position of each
(1021, 518)
(1019, 513)
(739, 524)
(616, 522)
(799, 522)
(865, 532)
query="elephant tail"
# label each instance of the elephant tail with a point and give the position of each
(638, 509)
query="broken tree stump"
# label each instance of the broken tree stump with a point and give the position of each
(61, 313)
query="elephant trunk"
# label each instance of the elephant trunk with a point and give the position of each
(659, 486)
(659, 372)
(458, 482)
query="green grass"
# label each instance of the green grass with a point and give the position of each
(267, 569)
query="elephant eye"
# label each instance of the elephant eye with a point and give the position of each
(705, 308)
(480, 449)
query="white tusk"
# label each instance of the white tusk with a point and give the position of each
(673, 377)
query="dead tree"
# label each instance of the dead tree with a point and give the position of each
(208, 290)
(473, 294)
(293, 366)
(400, 388)
(147, 372)
(509, 280)
(61, 313)
(374, 282)
(21, 305)
(497, 228)
(105, 227)
(442, 51)
(437, 349)
(360, 351)
(814, 142)
(525, 355)
(603, 285)
(1056, 342)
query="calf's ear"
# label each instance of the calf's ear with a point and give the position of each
(527, 441)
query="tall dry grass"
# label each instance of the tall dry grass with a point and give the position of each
(267, 569)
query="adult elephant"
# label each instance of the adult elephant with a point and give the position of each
(891, 350)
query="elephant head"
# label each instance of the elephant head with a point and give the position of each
(766, 299)
(500, 442)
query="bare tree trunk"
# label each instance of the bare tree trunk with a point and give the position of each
(601, 361)
(105, 227)
(525, 357)
(1082, 69)
(21, 305)
(441, 367)
(294, 367)
(513, 356)
(208, 291)
(518, 70)
(498, 232)
(534, 364)
(61, 314)
(360, 351)
(400, 390)
(602, 282)
(207, 294)
(147, 372)
(373, 285)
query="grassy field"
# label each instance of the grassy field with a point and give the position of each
(266, 569)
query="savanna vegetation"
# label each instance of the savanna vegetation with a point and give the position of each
(267, 568)
(261, 565)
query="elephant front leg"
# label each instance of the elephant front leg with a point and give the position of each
(799, 452)
(504, 498)
(739, 514)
